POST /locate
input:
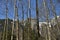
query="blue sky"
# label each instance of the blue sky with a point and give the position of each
(11, 8)
(33, 8)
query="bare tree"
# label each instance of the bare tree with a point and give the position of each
(37, 18)
(29, 6)
(54, 14)
(16, 23)
(29, 19)
(47, 16)
(16, 18)
(12, 29)
(6, 24)
(22, 18)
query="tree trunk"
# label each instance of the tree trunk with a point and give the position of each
(47, 20)
(37, 16)
(6, 20)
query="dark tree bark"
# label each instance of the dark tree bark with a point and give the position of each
(37, 18)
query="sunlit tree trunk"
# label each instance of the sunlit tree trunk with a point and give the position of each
(6, 24)
(47, 20)
(6, 20)
(16, 18)
(16, 23)
(3, 33)
(12, 29)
